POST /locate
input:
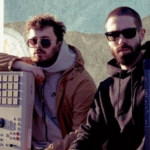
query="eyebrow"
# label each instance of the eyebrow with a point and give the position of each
(42, 37)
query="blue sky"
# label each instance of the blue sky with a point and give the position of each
(87, 16)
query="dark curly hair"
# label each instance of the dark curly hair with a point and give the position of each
(41, 21)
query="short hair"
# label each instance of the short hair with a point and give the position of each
(126, 11)
(41, 21)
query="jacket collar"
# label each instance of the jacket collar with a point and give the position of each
(78, 66)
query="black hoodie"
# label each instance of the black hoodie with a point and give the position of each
(116, 118)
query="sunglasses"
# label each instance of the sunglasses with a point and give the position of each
(128, 33)
(45, 43)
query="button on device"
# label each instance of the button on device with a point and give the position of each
(17, 133)
(9, 101)
(17, 138)
(10, 78)
(19, 124)
(4, 85)
(15, 101)
(4, 77)
(16, 86)
(15, 93)
(4, 101)
(4, 93)
(19, 119)
(16, 78)
(9, 93)
(10, 85)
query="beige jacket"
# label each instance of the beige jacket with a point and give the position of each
(74, 95)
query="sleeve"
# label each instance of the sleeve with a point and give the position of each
(94, 134)
(6, 61)
(82, 101)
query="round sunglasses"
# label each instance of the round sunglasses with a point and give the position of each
(127, 33)
(45, 43)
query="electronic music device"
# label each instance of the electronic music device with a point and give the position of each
(16, 109)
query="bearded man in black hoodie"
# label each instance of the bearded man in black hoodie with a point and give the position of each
(116, 118)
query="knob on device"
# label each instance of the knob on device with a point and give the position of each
(12, 145)
(2, 122)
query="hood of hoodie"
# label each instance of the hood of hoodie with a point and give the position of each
(66, 58)
(127, 90)
(114, 70)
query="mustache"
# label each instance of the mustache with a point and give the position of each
(122, 46)
(39, 51)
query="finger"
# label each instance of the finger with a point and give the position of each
(39, 76)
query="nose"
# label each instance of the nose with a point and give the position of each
(121, 39)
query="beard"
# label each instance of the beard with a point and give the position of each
(129, 58)
(40, 58)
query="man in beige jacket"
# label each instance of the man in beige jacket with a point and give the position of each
(59, 72)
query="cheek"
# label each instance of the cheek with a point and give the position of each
(134, 42)
(30, 52)
(112, 45)
(49, 52)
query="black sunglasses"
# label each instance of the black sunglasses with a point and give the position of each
(127, 33)
(45, 43)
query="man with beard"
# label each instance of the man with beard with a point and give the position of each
(116, 118)
(64, 90)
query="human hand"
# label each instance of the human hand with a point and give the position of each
(22, 66)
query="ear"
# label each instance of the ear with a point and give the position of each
(58, 46)
(106, 38)
(142, 34)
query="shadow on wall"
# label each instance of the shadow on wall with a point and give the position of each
(94, 47)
